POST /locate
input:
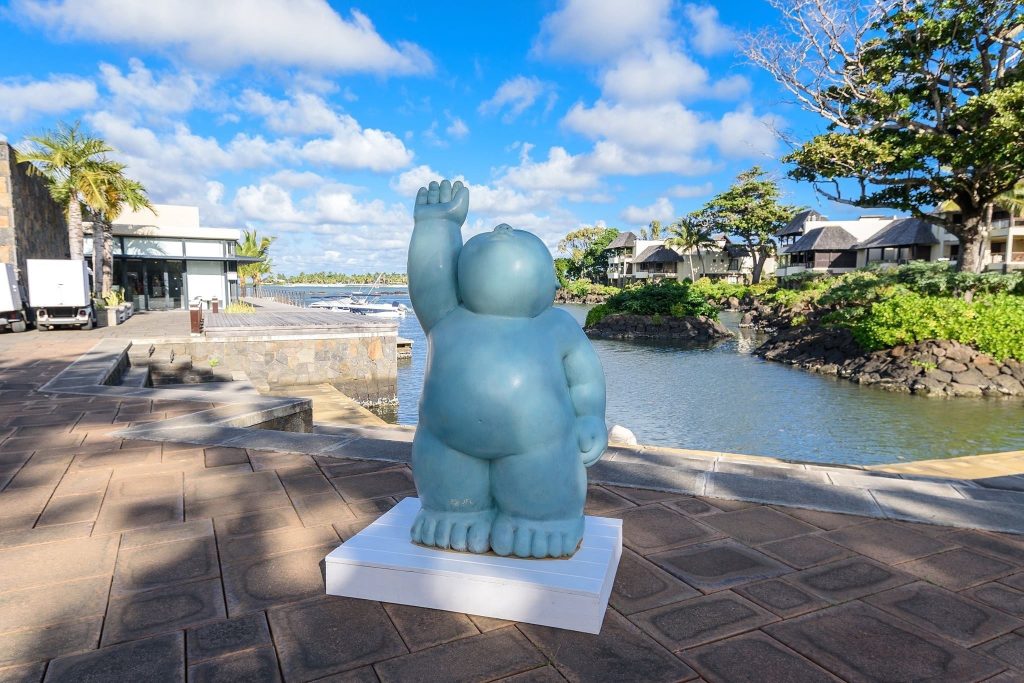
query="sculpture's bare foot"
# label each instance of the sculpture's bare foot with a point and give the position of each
(455, 530)
(535, 538)
(442, 201)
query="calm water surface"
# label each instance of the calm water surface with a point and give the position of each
(723, 398)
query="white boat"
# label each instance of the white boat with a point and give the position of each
(363, 306)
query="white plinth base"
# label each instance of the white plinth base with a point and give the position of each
(381, 563)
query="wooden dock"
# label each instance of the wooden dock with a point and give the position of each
(292, 322)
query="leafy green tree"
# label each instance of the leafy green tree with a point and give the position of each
(586, 252)
(690, 233)
(924, 101)
(750, 210)
(117, 192)
(255, 247)
(77, 171)
(655, 229)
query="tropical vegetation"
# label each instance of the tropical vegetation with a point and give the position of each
(924, 101)
(258, 247)
(587, 258)
(331, 278)
(666, 298)
(690, 233)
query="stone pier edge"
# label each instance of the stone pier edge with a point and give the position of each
(988, 493)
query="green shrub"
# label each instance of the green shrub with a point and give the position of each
(993, 324)
(665, 298)
(597, 314)
(581, 288)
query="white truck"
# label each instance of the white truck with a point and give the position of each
(13, 314)
(59, 293)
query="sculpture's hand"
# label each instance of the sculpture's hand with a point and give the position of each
(592, 437)
(442, 201)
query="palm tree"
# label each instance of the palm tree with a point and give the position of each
(689, 233)
(117, 193)
(255, 247)
(76, 169)
(655, 229)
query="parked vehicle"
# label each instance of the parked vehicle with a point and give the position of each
(59, 294)
(13, 313)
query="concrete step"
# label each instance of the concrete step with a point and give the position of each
(136, 376)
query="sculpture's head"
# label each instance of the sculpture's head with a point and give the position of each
(506, 272)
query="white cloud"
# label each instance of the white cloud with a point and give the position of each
(690, 191)
(138, 89)
(228, 33)
(289, 178)
(594, 30)
(610, 158)
(336, 205)
(660, 72)
(457, 129)
(661, 210)
(561, 171)
(54, 95)
(349, 145)
(664, 126)
(741, 133)
(517, 94)
(710, 36)
(268, 203)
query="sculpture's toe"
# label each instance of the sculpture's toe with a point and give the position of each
(458, 538)
(523, 542)
(502, 536)
(540, 544)
(442, 536)
(479, 537)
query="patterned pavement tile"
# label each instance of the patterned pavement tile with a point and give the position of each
(781, 597)
(702, 620)
(958, 568)
(758, 525)
(888, 541)
(640, 585)
(481, 657)
(718, 565)
(754, 657)
(849, 579)
(653, 528)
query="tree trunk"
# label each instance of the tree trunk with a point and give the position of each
(971, 244)
(76, 239)
(760, 256)
(108, 256)
(97, 256)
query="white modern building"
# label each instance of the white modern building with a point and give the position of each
(165, 259)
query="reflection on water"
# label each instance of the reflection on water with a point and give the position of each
(722, 398)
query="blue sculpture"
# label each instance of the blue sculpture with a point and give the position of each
(514, 395)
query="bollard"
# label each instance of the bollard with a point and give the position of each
(214, 305)
(195, 317)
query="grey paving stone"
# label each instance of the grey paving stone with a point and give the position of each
(781, 597)
(153, 566)
(486, 624)
(1001, 597)
(754, 657)
(601, 501)
(139, 513)
(950, 512)
(621, 652)
(26, 673)
(225, 637)
(364, 674)
(276, 580)
(27, 502)
(849, 579)
(543, 674)
(253, 665)
(486, 656)
(331, 635)
(858, 642)
(63, 532)
(812, 495)
(640, 585)
(653, 527)
(236, 504)
(633, 475)
(218, 456)
(644, 496)
(805, 551)
(30, 645)
(343, 467)
(54, 603)
(946, 614)
(757, 525)
(255, 522)
(84, 481)
(150, 485)
(888, 541)
(207, 488)
(374, 507)
(71, 509)
(154, 660)
(778, 471)
(265, 544)
(717, 565)
(701, 620)
(958, 569)
(166, 533)
(421, 628)
(1002, 546)
(691, 506)
(306, 484)
(163, 609)
(322, 508)
(1009, 649)
(36, 565)
(395, 482)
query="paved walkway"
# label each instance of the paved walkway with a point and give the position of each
(135, 561)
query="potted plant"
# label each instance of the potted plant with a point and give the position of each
(110, 302)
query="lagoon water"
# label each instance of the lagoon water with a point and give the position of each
(723, 398)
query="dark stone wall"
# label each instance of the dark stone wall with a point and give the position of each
(32, 225)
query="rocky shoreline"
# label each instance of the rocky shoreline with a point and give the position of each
(935, 368)
(564, 297)
(627, 326)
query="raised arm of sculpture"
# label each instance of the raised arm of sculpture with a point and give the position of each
(434, 251)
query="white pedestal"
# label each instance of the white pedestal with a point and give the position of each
(381, 563)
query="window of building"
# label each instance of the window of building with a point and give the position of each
(212, 248)
(147, 246)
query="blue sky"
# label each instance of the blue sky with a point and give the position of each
(317, 122)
